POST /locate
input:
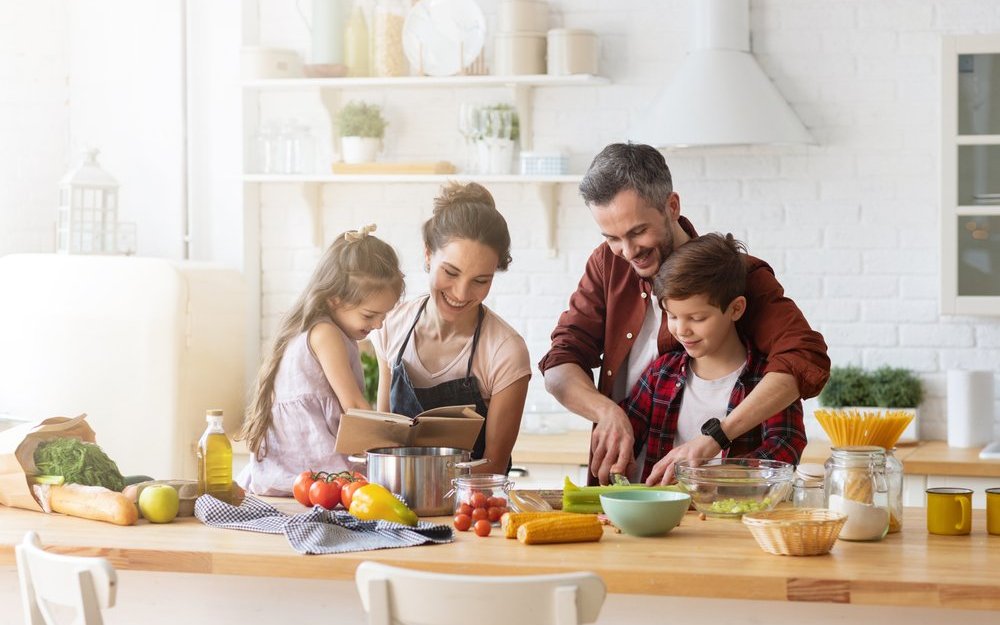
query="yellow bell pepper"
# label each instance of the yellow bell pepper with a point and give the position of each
(374, 502)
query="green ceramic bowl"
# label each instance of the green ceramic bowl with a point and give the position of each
(645, 512)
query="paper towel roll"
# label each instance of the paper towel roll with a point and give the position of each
(970, 408)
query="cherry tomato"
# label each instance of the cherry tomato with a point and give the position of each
(482, 527)
(462, 522)
(493, 514)
(480, 514)
(324, 493)
(496, 502)
(465, 509)
(301, 487)
(347, 492)
(478, 500)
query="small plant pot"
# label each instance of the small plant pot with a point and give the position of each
(359, 149)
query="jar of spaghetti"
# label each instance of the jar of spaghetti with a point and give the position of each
(856, 486)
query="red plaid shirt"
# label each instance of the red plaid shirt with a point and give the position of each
(655, 404)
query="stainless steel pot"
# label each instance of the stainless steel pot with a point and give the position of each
(421, 475)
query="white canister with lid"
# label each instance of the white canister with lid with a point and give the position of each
(572, 51)
(518, 54)
(522, 16)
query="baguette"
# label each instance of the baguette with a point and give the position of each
(93, 502)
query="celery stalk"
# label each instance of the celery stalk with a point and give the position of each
(587, 499)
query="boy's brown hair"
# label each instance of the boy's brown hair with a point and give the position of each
(712, 264)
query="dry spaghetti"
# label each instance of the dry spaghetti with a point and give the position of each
(869, 427)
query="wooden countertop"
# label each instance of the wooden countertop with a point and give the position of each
(923, 458)
(711, 558)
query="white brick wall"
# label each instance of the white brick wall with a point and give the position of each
(850, 225)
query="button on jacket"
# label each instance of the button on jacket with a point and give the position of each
(610, 302)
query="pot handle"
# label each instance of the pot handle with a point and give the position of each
(358, 459)
(471, 463)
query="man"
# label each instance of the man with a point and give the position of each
(613, 322)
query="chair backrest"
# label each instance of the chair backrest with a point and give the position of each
(392, 596)
(83, 584)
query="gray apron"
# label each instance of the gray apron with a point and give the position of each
(406, 400)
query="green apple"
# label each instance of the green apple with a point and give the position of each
(159, 503)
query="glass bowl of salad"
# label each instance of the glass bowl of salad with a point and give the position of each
(731, 487)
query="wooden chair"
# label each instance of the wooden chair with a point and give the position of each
(83, 584)
(392, 596)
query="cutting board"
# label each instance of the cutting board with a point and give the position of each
(404, 167)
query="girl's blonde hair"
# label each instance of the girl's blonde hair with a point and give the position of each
(354, 267)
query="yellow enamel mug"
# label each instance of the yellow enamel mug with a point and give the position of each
(993, 510)
(949, 511)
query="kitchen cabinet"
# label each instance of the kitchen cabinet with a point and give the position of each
(970, 175)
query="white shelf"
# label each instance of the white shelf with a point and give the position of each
(977, 140)
(534, 80)
(417, 178)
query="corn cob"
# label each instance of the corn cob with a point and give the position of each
(570, 528)
(510, 521)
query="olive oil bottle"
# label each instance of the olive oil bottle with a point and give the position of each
(215, 460)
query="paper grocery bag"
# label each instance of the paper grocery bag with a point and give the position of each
(17, 455)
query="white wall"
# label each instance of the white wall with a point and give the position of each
(850, 225)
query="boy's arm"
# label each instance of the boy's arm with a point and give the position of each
(783, 436)
(772, 395)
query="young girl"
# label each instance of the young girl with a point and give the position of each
(447, 348)
(313, 373)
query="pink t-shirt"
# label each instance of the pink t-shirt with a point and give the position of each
(304, 421)
(501, 356)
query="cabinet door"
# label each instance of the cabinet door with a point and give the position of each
(970, 168)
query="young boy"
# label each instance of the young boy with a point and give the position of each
(687, 393)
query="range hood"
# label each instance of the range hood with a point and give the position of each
(720, 96)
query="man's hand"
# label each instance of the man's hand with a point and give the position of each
(611, 445)
(701, 448)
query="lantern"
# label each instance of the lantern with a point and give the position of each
(88, 212)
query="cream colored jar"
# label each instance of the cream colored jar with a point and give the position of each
(572, 51)
(519, 53)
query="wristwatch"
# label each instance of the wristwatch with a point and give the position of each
(713, 428)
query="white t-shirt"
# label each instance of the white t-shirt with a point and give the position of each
(702, 400)
(644, 351)
(501, 357)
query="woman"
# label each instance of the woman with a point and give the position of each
(446, 348)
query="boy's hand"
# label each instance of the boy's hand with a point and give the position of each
(611, 446)
(701, 448)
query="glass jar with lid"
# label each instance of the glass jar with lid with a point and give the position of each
(387, 38)
(894, 480)
(482, 496)
(807, 489)
(856, 486)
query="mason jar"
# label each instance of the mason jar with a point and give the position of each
(894, 479)
(807, 489)
(856, 486)
(482, 496)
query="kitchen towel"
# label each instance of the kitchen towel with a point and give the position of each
(970, 408)
(318, 530)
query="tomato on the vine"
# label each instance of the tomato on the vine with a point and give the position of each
(325, 493)
(301, 487)
(347, 492)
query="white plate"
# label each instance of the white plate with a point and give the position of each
(440, 37)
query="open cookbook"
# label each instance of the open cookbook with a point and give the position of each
(447, 426)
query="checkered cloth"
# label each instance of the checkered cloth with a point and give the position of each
(318, 530)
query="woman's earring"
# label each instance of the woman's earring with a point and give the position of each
(427, 267)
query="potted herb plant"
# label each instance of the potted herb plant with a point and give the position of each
(852, 388)
(362, 127)
(498, 132)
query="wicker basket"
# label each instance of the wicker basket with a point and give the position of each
(795, 531)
